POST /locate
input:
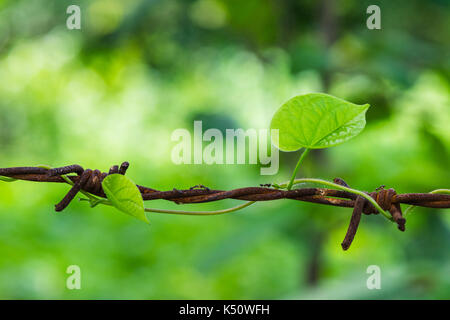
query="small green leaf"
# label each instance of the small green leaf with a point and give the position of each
(124, 195)
(316, 121)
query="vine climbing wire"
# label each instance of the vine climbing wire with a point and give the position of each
(89, 182)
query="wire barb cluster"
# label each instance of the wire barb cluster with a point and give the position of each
(90, 181)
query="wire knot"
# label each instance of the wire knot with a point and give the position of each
(89, 181)
(386, 199)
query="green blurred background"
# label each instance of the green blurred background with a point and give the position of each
(137, 70)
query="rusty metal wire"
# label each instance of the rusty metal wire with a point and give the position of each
(91, 181)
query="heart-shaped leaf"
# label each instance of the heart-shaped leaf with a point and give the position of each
(124, 195)
(316, 121)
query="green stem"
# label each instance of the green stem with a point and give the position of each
(183, 212)
(300, 160)
(338, 186)
(94, 200)
(410, 208)
(7, 179)
(201, 213)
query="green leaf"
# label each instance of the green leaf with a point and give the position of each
(316, 121)
(124, 195)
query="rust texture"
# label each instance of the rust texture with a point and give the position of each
(91, 181)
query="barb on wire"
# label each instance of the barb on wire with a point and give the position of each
(89, 182)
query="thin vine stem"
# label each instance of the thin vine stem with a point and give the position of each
(410, 208)
(7, 179)
(294, 174)
(338, 186)
(90, 183)
(185, 212)
(202, 213)
(294, 182)
(94, 201)
(96, 197)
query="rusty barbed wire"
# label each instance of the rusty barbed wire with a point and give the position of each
(91, 181)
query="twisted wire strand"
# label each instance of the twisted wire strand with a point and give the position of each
(90, 181)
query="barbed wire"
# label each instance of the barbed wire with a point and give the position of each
(90, 181)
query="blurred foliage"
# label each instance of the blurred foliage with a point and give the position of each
(137, 70)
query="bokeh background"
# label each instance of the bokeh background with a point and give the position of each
(137, 70)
